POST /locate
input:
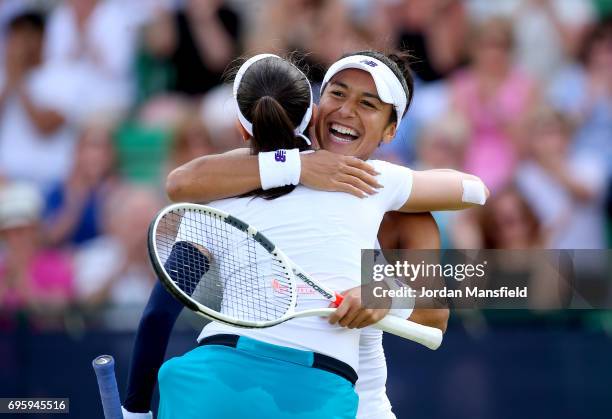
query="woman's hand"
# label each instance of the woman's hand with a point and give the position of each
(327, 171)
(353, 315)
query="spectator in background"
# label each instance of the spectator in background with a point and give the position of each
(508, 222)
(335, 31)
(566, 190)
(93, 42)
(442, 145)
(218, 114)
(73, 208)
(36, 138)
(190, 141)
(435, 33)
(154, 71)
(371, 22)
(320, 30)
(279, 26)
(584, 92)
(32, 278)
(93, 32)
(495, 97)
(197, 42)
(114, 269)
(549, 33)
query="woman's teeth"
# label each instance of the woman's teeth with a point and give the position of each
(344, 130)
(343, 134)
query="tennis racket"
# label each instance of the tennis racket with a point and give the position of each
(224, 269)
(104, 367)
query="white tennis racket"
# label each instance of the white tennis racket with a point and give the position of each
(224, 269)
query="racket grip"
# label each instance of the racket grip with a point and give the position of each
(104, 367)
(425, 335)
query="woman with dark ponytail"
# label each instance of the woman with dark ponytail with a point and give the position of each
(304, 368)
(363, 99)
(274, 107)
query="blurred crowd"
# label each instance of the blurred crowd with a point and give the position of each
(100, 99)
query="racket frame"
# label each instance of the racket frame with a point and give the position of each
(251, 231)
(425, 335)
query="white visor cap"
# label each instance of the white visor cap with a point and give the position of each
(388, 86)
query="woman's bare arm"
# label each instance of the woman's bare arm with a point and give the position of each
(213, 177)
(444, 189)
(236, 172)
(414, 232)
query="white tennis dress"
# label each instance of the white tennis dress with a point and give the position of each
(322, 232)
(372, 372)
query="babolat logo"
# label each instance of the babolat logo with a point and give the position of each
(280, 156)
(315, 286)
(369, 62)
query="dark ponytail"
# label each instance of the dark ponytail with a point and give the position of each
(274, 96)
(270, 121)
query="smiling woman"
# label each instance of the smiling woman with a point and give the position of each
(363, 96)
(350, 116)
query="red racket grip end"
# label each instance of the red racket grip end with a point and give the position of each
(339, 299)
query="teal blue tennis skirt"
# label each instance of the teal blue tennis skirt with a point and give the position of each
(252, 380)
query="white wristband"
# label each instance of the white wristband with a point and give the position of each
(130, 415)
(279, 168)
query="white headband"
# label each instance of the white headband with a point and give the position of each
(388, 86)
(248, 126)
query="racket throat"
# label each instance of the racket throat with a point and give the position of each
(330, 295)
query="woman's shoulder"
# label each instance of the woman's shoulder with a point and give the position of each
(392, 177)
(385, 165)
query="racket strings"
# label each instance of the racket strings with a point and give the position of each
(222, 267)
(215, 294)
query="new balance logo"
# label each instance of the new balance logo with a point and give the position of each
(370, 63)
(280, 156)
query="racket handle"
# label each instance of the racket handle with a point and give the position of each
(425, 335)
(104, 367)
